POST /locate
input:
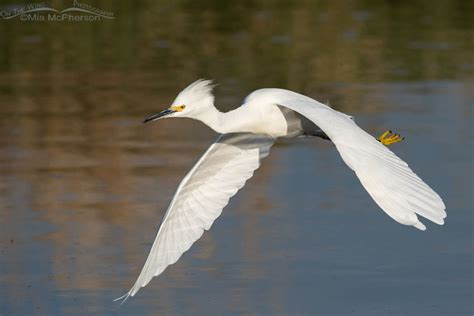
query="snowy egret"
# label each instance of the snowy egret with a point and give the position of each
(247, 133)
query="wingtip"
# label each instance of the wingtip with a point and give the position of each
(123, 298)
(420, 226)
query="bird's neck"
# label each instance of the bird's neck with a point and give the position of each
(227, 122)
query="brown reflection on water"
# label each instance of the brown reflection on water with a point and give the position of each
(89, 183)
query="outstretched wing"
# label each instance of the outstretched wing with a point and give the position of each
(200, 198)
(388, 179)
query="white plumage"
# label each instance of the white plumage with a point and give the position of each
(248, 132)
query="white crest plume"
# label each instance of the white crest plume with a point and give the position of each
(200, 91)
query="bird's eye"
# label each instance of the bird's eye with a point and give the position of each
(178, 108)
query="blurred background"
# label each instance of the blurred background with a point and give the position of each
(84, 185)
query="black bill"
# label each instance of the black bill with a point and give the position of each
(156, 116)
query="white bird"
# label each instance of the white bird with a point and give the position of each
(247, 133)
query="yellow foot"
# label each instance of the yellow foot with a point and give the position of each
(388, 138)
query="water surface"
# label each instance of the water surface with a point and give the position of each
(84, 185)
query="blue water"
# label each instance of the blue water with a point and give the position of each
(84, 185)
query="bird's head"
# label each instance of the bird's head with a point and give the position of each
(192, 102)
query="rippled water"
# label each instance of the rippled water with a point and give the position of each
(83, 184)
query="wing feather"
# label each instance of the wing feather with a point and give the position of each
(200, 198)
(395, 188)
